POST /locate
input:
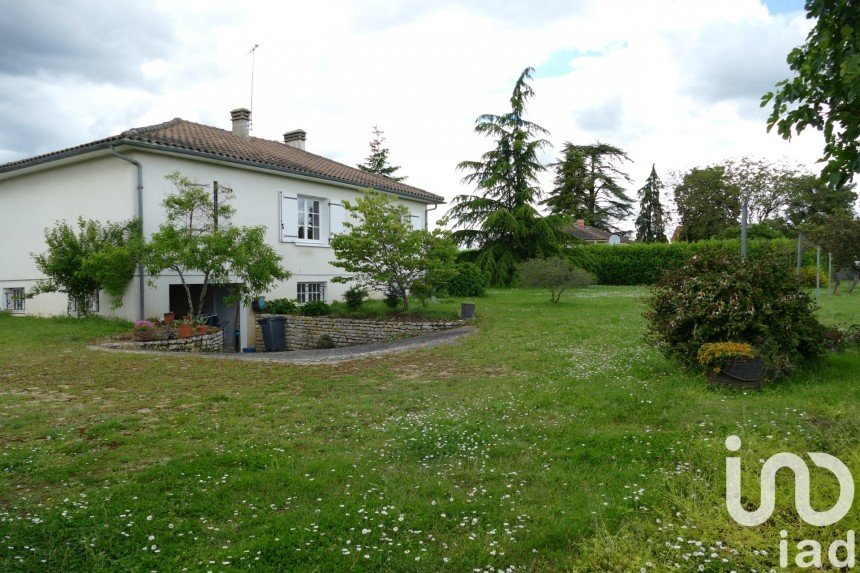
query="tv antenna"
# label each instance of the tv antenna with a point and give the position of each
(252, 53)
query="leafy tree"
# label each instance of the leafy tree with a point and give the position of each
(766, 230)
(501, 220)
(377, 161)
(810, 201)
(588, 185)
(386, 253)
(707, 203)
(554, 274)
(838, 234)
(198, 238)
(649, 224)
(95, 257)
(763, 186)
(825, 91)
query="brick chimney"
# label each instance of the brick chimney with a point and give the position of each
(241, 122)
(296, 138)
(580, 223)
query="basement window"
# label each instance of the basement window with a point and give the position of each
(310, 292)
(13, 300)
(94, 304)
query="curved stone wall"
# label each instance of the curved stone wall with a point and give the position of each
(198, 343)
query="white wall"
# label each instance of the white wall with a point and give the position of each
(105, 189)
(101, 188)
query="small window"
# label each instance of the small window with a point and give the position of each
(309, 219)
(13, 299)
(310, 292)
(94, 304)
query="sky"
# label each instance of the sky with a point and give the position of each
(676, 83)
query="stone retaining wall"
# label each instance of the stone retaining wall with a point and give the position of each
(213, 342)
(304, 332)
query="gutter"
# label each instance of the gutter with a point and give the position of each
(141, 285)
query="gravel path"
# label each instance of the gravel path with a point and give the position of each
(323, 356)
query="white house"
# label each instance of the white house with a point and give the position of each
(297, 195)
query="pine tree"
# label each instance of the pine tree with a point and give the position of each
(650, 227)
(588, 185)
(501, 219)
(377, 161)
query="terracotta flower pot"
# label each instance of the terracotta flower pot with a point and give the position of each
(168, 318)
(201, 328)
(185, 330)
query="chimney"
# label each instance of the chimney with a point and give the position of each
(580, 223)
(295, 138)
(241, 122)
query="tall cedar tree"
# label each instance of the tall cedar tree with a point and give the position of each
(650, 227)
(501, 219)
(825, 92)
(588, 185)
(377, 161)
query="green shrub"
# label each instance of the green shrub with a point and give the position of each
(392, 297)
(315, 308)
(325, 341)
(281, 306)
(468, 281)
(354, 297)
(554, 274)
(717, 297)
(645, 264)
(807, 277)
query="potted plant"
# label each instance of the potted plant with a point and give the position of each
(168, 318)
(200, 325)
(144, 330)
(186, 327)
(735, 364)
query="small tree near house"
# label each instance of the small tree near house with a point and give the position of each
(198, 238)
(385, 253)
(95, 257)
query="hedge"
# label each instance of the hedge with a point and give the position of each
(645, 264)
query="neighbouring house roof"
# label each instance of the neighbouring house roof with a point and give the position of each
(181, 136)
(592, 234)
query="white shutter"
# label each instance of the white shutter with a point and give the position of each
(289, 217)
(337, 215)
(416, 219)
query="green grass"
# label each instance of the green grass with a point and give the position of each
(550, 440)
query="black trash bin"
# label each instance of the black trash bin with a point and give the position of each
(274, 337)
(228, 341)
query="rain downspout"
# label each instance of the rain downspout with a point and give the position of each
(141, 285)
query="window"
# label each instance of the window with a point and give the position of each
(94, 303)
(13, 299)
(309, 219)
(310, 292)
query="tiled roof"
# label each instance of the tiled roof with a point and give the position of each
(181, 136)
(592, 234)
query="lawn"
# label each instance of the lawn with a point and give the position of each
(550, 440)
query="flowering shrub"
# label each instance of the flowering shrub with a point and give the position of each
(143, 325)
(717, 297)
(714, 355)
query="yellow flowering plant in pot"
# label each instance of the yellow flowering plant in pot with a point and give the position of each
(732, 363)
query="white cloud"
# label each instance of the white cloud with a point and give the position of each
(672, 83)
